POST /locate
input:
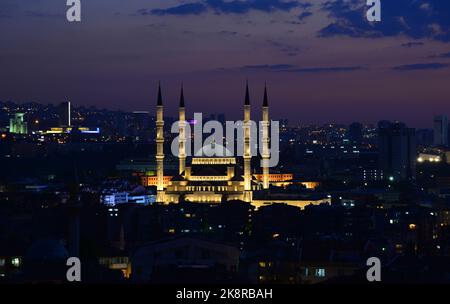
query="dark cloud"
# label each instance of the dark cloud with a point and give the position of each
(157, 25)
(304, 15)
(228, 33)
(328, 69)
(290, 68)
(294, 22)
(273, 67)
(444, 55)
(413, 18)
(421, 66)
(305, 5)
(287, 49)
(183, 9)
(412, 44)
(227, 7)
(260, 68)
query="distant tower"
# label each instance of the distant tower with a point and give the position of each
(65, 114)
(397, 151)
(440, 130)
(17, 125)
(160, 147)
(247, 152)
(265, 140)
(182, 134)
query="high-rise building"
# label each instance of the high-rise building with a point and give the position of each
(397, 151)
(448, 137)
(424, 137)
(65, 115)
(141, 126)
(17, 125)
(355, 134)
(440, 127)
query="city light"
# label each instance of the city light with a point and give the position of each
(217, 144)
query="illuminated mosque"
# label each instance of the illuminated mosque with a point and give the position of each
(216, 179)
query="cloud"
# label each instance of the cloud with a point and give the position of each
(183, 9)
(228, 33)
(290, 68)
(157, 25)
(421, 66)
(227, 7)
(412, 18)
(285, 48)
(328, 69)
(304, 15)
(412, 44)
(273, 67)
(444, 55)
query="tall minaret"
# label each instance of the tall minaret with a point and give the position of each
(182, 133)
(265, 140)
(160, 147)
(247, 152)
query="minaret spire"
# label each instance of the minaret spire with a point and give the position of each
(159, 102)
(247, 95)
(266, 100)
(182, 97)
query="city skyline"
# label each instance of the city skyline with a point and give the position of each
(322, 59)
(256, 113)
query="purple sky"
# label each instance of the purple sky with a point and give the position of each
(323, 62)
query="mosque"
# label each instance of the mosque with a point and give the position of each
(210, 179)
(217, 179)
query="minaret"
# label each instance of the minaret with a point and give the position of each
(247, 152)
(265, 140)
(182, 133)
(160, 147)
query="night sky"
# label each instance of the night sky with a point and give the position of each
(322, 60)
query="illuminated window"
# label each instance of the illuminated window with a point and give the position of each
(320, 272)
(262, 264)
(15, 262)
(2, 262)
